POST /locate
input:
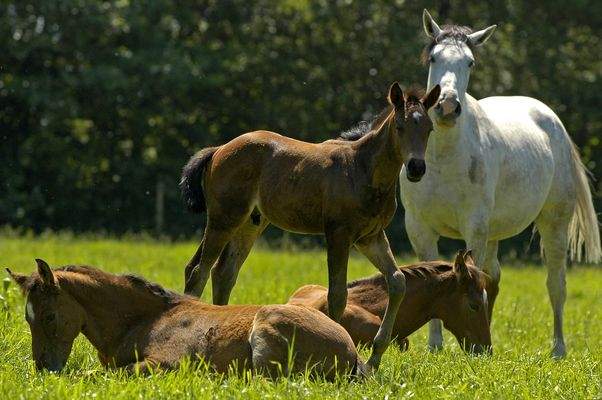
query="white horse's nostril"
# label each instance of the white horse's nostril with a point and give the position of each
(449, 105)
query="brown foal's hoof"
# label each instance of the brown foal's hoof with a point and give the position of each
(404, 344)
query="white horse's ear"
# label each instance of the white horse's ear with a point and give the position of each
(480, 37)
(431, 28)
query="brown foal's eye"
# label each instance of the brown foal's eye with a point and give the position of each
(474, 306)
(50, 318)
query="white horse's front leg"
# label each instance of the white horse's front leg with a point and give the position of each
(476, 234)
(424, 242)
(493, 269)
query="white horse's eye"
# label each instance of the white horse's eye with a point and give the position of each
(471, 64)
(432, 59)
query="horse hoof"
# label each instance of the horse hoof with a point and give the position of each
(404, 345)
(435, 347)
(372, 365)
(363, 370)
(558, 352)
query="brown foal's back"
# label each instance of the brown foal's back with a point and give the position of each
(139, 325)
(453, 293)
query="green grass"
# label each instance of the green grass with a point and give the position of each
(520, 367)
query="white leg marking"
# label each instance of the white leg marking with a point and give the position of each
(29, 309)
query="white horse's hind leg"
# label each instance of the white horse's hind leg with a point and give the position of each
(553, 228)
(424, 242)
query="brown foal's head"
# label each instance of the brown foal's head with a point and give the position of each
(465, 311)
(413, 126)
(55, 318)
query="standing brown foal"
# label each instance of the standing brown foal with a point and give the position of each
(455, 293)
(344, 189)
(139, 325)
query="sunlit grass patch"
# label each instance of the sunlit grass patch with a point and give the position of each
(519, 368)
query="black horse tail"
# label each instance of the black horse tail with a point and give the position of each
(191, 184)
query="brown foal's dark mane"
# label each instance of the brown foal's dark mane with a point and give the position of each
(365, 127)
(133, 281)
(412, 96)
(434, 269)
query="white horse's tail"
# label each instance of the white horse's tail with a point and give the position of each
(583, 228)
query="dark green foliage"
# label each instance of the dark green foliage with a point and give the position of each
(100, 100)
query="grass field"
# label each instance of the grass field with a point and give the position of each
(520, 367)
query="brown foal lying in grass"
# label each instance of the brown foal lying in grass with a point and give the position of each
(139, 325)
(455, 293)
(343, 189)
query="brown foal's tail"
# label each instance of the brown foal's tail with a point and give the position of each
(191, 183)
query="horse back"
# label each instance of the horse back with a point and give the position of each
(216, 334)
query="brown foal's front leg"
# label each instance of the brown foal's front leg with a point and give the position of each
(338, 256)
(377, 250)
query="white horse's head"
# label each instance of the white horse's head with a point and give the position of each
(450, 57)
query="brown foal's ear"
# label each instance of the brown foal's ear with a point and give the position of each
(20, 279)
(396, 95)
(430, 99)
(460, 267)
(468, 259)
(488, 280)
(45, 273)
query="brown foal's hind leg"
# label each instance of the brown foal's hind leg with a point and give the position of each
(377, 250)
(194, 261)
(225, 272)
(213, 243)
(338, 257)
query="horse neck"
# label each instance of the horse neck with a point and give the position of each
(447, 145)
(425, 292)
(112, 308)
(419, 301)
(380, 153)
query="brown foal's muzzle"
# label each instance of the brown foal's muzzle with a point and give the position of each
(415, 169)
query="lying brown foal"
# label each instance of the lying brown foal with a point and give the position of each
(139, 325)
(455, 293)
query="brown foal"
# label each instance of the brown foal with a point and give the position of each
(344, 189)
(139, 325)
(455, 293)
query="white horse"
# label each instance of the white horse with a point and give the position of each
(494, 166)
